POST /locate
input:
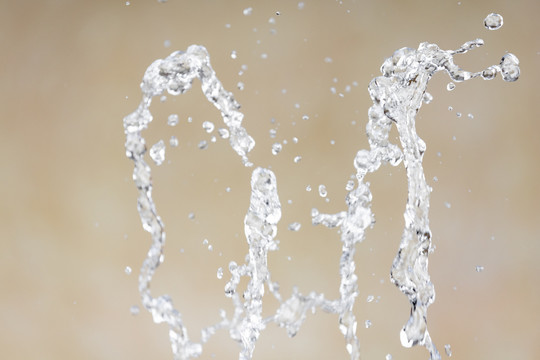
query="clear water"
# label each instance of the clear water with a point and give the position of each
(397, 96)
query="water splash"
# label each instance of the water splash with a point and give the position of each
(397, 96)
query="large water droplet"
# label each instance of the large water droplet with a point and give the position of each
(493, 21)
(510, 67)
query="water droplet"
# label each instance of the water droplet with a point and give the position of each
(308, 188)
(127, 270)
(203, 145)
(208, 126)
(248, 11)
(510, 67)
(305, 117)
(350, 185)
(173, 141)
(448, 350)
(322, 191)
(370, 298)
(295, 140)
(223, 133)
(470, 116)
(295, 226)
(493, 21)
(427, 98)
(189, 119)
(172, 120)
(450, 86)
(167, 43)
(240, 85)
(300, 5)
(205, 242)
(297, 159)
(220, 273)
(458, 114)
(134, 310)
(332, 142)
(328, 60)
(276, 148)
(191, 216)
(233, 54)
(447, 204)
(479, 268)
(450, 108)
(368, 324)
(388, 357)
(157, 152)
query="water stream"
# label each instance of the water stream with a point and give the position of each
(397, 97)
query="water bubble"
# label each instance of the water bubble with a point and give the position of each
(276, 148)
(208, 126)
(297, 159)
(157, 152)
(322, 191)
(127, 270)
(295, 226)
(510, 67)
(448, 350)
(493, 21)
(223, 133)
(172, 120)
(248, 11)
(479, 268)
(450, 86)
(203, 145)
(134, 310)
(220, 273)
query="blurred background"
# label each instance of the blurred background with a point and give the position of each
(70, 71)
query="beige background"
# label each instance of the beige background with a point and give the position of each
(70, 71)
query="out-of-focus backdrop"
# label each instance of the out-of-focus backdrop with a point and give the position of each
(70, 71)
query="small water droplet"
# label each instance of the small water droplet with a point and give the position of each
(300, 5)
(448, 350)
(233, 54)
(388, 357)
(368, 324)
(493, 21)
(191, 216)
(173, 141)
(305, 117)
(248, 11)
(447, 204)
(134, 310)
(127, 270)
(172, 120)
(479, 268)
(370, 298)
(223, 133)
(208, 126)
(295, 226)
(240, 85)
(350, 185)
(157, 152)
(470, 116)
(308, 188)
(203, 145)
(322, 191)
(297, 159)
(276, 148)
(167, 43)
(220, 273)
(450, 86)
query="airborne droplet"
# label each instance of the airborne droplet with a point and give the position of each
(493, 21)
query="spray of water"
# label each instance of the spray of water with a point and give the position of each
(397, 96)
